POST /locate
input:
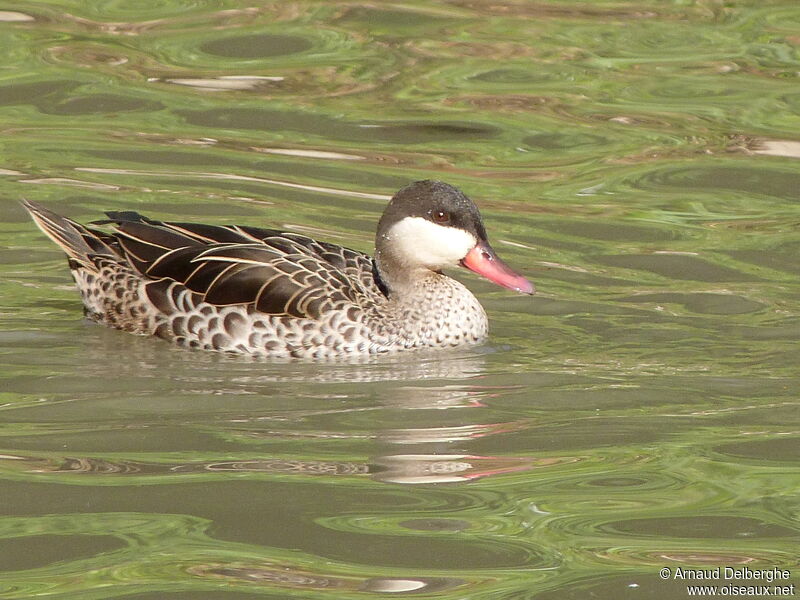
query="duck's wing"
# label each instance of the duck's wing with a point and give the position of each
(278, 273)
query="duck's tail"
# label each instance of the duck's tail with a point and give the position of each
(79, 243)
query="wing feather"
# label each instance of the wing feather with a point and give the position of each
(275, 295)
(176, 264)
(276, 272)
(202, 277)
(160, 237)
(238, 286)
(209, 234)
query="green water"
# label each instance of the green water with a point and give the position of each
(637, 160)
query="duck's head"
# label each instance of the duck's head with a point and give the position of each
(430, 225)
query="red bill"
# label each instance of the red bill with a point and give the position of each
(483, 261)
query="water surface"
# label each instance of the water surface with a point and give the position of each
(637, 160)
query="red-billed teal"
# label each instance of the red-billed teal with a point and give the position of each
(279, 294)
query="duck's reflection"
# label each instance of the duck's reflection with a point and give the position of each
(439, 399)
(418, 455)
(423, 454)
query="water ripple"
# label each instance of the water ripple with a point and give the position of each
(637, 159)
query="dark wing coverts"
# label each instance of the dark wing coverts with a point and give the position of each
(278, 273)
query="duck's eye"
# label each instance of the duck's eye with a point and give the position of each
(440, 216)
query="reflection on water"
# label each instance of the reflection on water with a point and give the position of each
(640, 161)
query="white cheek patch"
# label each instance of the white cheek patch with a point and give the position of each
(417, 241)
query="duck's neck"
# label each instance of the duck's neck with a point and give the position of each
(402, 281)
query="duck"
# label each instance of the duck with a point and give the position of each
(272, 293)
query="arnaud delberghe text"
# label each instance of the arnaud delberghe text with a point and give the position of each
(733, 573)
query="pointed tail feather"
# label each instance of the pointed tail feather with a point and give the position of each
(73, 238)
